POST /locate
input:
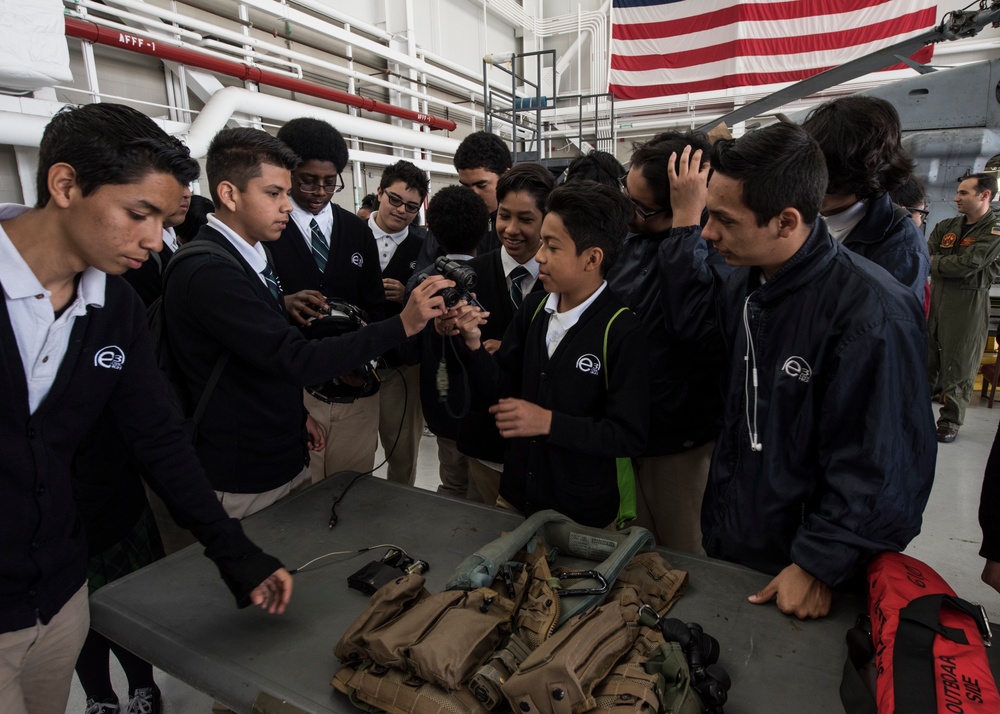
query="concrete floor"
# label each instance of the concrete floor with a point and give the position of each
(949, 540)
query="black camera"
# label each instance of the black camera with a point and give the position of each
(463, 276)
(702, 651)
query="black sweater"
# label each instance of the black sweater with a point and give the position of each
(352, 270)
(44, 553)
(599, 411)
(252, 436)
(477, 434)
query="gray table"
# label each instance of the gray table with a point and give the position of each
(178, 615)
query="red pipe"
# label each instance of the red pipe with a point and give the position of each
(88, 31)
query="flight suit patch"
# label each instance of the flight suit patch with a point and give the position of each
(967, 241)
(948, 240)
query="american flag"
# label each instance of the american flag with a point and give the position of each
(664, 48)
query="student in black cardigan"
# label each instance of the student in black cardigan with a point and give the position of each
(397, 244)
(522, 192)
(342, 244)
(458, 217)
(75, 344)
(568, 386)
(252, 439)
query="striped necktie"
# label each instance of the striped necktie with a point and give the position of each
(320, 250)
(271, 280)
(517, 276)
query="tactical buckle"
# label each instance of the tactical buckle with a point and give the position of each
(579, 575)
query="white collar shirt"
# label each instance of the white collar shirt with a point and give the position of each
(170, 239)
(562, 322)
(42, 338)
(324, 219)
(509, 264)
(252, 254)
(386, 242)
(841, 224)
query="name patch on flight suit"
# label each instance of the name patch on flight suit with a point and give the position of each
(948, 240)
(967, 241)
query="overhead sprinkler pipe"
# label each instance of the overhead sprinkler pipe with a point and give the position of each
(89, 32)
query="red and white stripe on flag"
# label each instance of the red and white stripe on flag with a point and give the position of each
(663, 48)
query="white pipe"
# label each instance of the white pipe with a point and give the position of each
(170, 41)
(147, 22)
(286, 13)
(22, 129)
(231, 100)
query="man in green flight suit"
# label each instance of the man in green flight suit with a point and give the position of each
(964, 252)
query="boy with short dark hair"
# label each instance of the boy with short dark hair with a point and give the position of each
(327, 252)
(568, 384)
(76, 346)
(458, 218)
(401, 191)
(254, 433)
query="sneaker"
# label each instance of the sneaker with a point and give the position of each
(144, 701)
(108, 706)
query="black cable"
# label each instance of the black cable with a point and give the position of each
(399, 431)
(466, 391)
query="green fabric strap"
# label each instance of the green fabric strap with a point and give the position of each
(624, 466)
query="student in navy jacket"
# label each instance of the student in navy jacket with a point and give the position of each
(826, 454)
(75, 343)
(325, 252)
(252, 439)
(505, 278)
(568, 385)
(861, 141)
(684, 382)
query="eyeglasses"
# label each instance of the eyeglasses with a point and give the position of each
(921, 211)
(397, 201)
(641, 212)
(331, 188)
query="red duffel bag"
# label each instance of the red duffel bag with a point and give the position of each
(929, 644)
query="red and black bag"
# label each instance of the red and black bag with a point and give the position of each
(927, 647)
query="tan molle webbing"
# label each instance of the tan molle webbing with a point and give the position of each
(538, 614)
(629, 687)
(658, 584)
(386, 604)
(444, 638)
(560, 676)
(396, 692)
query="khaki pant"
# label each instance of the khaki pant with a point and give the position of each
(486, 480)
(668, 493)
(241, 505)
(36, 663)
(454, 471)
(351, 432)
(401, 421)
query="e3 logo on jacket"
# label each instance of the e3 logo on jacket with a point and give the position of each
(110, 357)
(589, 364)
(357, 260)
(798, 368)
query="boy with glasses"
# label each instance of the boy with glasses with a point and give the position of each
(685, 393)
(325, 252)
(401, 192)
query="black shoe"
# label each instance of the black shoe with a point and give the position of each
(145, 700)
(105, 706)
(946, 434)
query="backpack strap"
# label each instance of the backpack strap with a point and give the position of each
(201, 247)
